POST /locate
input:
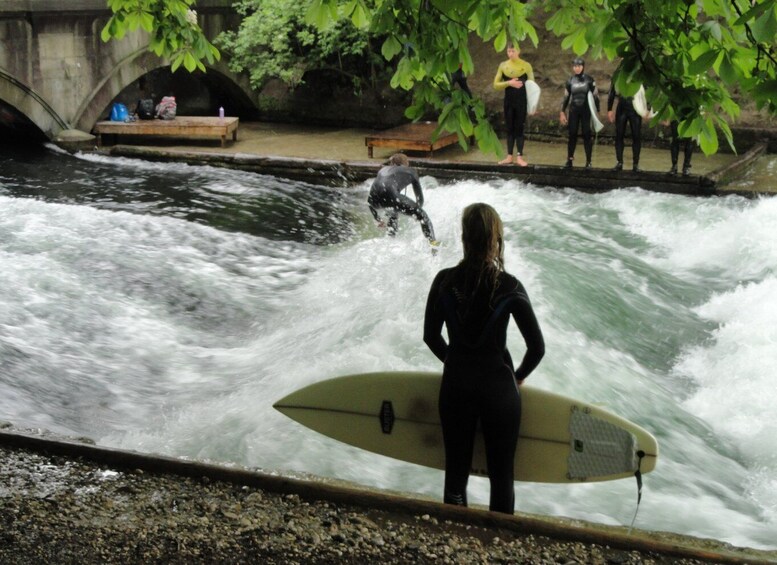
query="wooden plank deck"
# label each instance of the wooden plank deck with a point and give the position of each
(410, 137)
(188, 127)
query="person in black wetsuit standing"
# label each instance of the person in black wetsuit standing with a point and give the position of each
(674, 149)
(387, 193)
(625, 113)
(475, 300)
(576, 97)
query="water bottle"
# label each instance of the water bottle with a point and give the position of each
(221, 112)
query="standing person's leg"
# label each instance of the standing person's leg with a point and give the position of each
(588, 144)
(510, 125)
(635, 121)
(520, 125)
(501, 418)
(687, 154)
(459, 424)
(574, 119)
(620, 134)
(674, 148)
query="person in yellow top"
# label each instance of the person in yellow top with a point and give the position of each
(510, 77)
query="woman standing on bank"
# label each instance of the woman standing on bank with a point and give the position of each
(475, 300)
(510, 77)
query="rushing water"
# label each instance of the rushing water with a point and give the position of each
(164, 308)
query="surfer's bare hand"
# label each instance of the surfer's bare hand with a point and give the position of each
(611, 116)
(562, 117)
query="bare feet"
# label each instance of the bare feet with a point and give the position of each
(506, 161)
(520, 161)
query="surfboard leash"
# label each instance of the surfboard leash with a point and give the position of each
(638, 475)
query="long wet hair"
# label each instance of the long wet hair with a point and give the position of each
(482, 238)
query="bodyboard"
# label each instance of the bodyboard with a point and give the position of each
(640, 102)
(532, 96)
(596, 125)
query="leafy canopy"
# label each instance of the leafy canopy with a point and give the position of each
(691, 55)
(275, 41)
(173, 28)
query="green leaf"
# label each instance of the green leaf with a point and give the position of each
(708, 139)
(705, 62)
(501, 41)
(727, 71)
(189, 62)
(754, 12)
(390, 48)
(360, 16)
(319, 14)
(765, 27)
(147, 22)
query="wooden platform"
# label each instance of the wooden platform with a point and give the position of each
(410, 137)
(188, 127)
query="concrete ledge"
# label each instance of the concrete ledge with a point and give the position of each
(333, 172)
(658, 542)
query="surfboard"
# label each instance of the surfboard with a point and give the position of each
(532, 96)
(562, 440)
(596, 125)
(640, 102)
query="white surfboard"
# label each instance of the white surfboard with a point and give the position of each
(532, 96)
(596, 125)
(562, 440)
(640, 102)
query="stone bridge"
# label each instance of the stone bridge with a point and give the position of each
(57, 74)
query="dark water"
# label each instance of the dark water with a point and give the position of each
(228, 200)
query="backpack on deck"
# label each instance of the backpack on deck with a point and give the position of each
(119, 112)
(145, 109)
(166, 108)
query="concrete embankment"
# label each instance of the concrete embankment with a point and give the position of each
(330, 156)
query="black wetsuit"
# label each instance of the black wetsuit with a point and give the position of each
(515, 115)
(675, 148)
(386, 193)
(478, 383)
(577, 89)
(625, 113)
(457, 77)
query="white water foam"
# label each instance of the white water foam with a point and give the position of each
(179, 337)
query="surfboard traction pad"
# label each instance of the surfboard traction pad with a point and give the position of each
(599, 448)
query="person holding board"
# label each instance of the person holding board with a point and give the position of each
(387, 193)
(626, 113)
(581, 108)
(475, 301)
(511, 77)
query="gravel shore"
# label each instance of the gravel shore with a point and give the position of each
(57, 506)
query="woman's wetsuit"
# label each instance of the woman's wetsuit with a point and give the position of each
(577, 89)
(386, 193)
(625, 113)
(514, 101)
(478, 383)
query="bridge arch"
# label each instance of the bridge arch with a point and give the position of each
(31, 104)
